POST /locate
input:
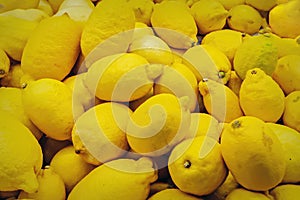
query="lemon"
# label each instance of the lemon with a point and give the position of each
(258, 85)
(48, 104)
(121, 77)
(207, 61)
(14, 33)
(11, 102)
(227, 187)
(209, 15)
(158, 124)
(32, 14)
(290, 140)
(154, 49)
(172, 194)
(228, 4)
(70, 167)
(203, 124)
(104, 22)
(287, 73)
(234, 83)
(241, 193)
(13, 77)
(287, 191)
(225, 40)
(288, 46)
(14, 4)
(133, 105)
(101, 132)
(21, 156)
(140, 30)
(291, 112)
(55, 4)
(196, 165)
(253, 153)
(259, 5)
(244, 18)
(51, 186)
(173, 22)
(45, 6)
(220, 101)
(282, 24)
(112, 181)
(39, 51)
(4, 64)
(185, 84)
(142, 10)
(256, 52)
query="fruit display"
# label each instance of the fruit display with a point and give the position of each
(150, 99)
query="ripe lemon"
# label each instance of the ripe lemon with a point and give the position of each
(208, 62)
(287, 191)
(55, 4)
(228, 4)
(173, 22)
(100, 132)
(104, 22)
(209, 15)
(140, 30)
(48, 104)
(12, 79)
(291, 112)
(11, 102)
(244, 18)
(288, 46)
(45, 6)
(4, 64)
(51, 186)
(185, 84)
(121, 77)
(256, 52)
(39, 51)
(226, 40)
(196, 165)
(234, 83)
(15, 4)
(241, 193)
(253, 153)
(227, 187)
(282, 24)
(70, 167)
(258, 85)
(32, 14)
(290, 140)
(259, 5)
(158, 124)
(219, 101)
(142, 10)
(172, 194)
(112, 181)
(287, 73)
(21, 156)
(133, 105)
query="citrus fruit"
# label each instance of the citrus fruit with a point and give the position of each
(172, 194)
(259, 5)
(241, 193)
(4, 64)
(291, 112)
(142, 10)
(14, 4)
(13, 77)
(287, 191)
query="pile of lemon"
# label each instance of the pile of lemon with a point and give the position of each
(150, 99)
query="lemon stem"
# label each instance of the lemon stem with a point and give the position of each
(236, 124)
(2, 71)
(187, 164)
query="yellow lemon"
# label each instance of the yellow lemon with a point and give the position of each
(288, 46)
(55, 4)
(4, 64)
(228, 4)
(14, 4)
(100, 132)
(290, 140)
(220, 101)
(287, 191)
(133, 105)
(140, 30)
(258, 85)
(227, 187)
(173, 22)
(158, 124)
(121, 77)
(14, 33)
(112, 181)
(70, 167)
(142, 10)
(253, 153)
(39, 52)
(185, 84)
(172, 194)
(256, 52)
(45, 6)
(209, 15)
(196, 165)
(12, 79)
(11, 102)
(48, 104)
(225, 40)
(51, 186)
(291, 112)
(21, 156)
(283, 24)
(207, 61)
(287, 73)
(259, 5)
(234, 83)
(241, 193)
(244, 18)
(105, 22)
(32, 14)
